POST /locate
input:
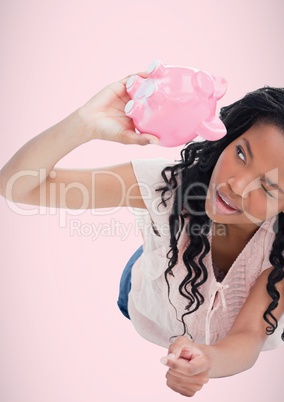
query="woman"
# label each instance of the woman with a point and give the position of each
(206, 217)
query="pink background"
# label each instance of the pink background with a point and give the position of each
(62, 337)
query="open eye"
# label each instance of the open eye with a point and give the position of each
(240, 153)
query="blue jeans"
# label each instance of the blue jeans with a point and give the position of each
(125, 283)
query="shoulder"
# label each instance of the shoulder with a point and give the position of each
(251, 317)
(259, 249)
(149, 170)
(149, 177)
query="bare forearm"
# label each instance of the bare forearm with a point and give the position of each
(28, 171)
(233, 354)
(42, 153)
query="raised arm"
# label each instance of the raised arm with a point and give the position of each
(31, 172)
(191, 365)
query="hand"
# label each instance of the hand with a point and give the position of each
(104, 118)
(188, 367)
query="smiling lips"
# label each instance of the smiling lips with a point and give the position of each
(224, 204)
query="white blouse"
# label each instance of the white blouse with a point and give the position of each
(151, 313)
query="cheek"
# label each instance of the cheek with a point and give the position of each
(222, 168)
(261, 207)
(274, 207)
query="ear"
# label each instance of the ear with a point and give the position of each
(221, 86)
(212, 129)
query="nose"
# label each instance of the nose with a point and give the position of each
(242, 185)
(235, 186)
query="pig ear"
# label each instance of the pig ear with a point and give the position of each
(221, 86)
(212, 130)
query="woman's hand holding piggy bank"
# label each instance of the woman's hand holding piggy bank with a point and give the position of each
(176, 104)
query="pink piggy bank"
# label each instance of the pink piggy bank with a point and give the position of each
(176, 104)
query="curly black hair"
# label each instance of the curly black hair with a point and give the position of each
(198, 159)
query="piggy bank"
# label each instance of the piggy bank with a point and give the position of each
(176, 104)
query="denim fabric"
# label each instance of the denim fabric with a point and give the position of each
(125, 283)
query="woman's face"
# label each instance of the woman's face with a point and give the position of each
(247, 183)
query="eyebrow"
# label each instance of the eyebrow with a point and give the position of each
(263, 178)
(248, 147)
